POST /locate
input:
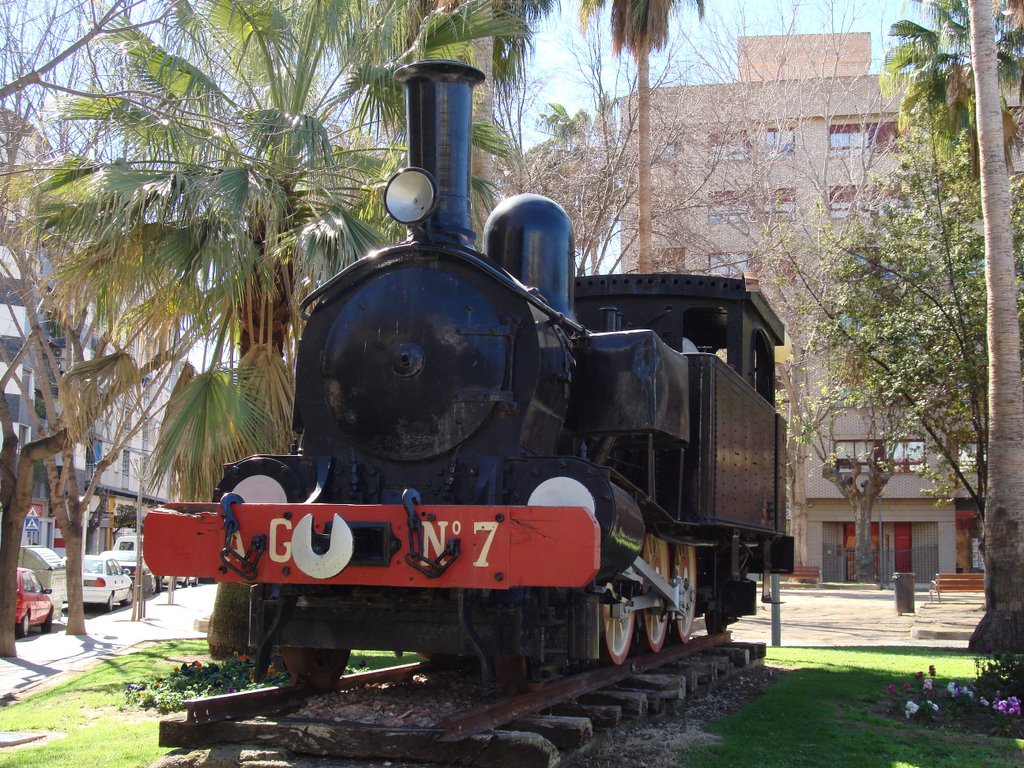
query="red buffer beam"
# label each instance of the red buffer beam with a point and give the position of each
(499, 547)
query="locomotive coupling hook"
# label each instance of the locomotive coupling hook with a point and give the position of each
(415, 557)
(242, 564)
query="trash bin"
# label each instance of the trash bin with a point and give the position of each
(903, 584)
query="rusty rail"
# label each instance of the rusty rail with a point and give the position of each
(494, 715)
(265, 700)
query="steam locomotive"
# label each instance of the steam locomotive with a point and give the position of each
(498, 459)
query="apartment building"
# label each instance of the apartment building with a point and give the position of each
(797, 147)
(36, 349)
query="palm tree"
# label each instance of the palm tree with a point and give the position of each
(1002, 627)
(250, 139)
(641, 27)
(932, 66)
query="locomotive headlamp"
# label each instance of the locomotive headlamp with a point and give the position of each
(411, 195)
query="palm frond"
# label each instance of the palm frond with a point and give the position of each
(165, 73)
(450, 34)
(91, 385)
(487, 138)
(210, 420)
(334, 237)
(377, 98)
(265, 379)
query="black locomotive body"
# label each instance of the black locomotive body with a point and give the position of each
(434, 379)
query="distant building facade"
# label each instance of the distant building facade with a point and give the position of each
(798, 144)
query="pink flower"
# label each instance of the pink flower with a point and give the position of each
(907, 687)
(892, 688)
(928, 684)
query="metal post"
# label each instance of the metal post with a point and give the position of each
(139, 603)
(881, 546)
(776, 612)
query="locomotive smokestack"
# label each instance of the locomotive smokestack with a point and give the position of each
(439, 111)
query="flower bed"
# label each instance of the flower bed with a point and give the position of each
(989, 704)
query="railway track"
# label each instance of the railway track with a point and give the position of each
(544, 728)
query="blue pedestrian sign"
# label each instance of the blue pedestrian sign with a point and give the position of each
(31, 525)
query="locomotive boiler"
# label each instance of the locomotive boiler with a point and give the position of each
(496, 458)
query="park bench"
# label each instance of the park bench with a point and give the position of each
(956, 582)
(804, 574)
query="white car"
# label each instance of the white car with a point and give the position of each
(103, 582)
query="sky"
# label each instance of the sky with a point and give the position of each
(706, 49)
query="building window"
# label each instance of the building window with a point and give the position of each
(847, 139)
(729, 264)
(126, 467)
(727, 206)
(840, 201)
(883, 137)
(967, 457)
(851, 139)
(907, 456)
(93, 456)
(785, 203)
(780, 143)
(862, 453)
(729, 145)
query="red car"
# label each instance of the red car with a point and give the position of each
(33, 605)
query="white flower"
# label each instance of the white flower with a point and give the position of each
(953, 688)
(933, 705)
(911, 709)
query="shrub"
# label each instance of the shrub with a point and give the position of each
(999, 672)
(196, 679)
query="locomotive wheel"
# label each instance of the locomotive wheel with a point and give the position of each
(684, 566)
(618, 635)
(512, 675)
(655, 554)
(319, 668)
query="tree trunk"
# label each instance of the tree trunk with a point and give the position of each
(860, 489)
(645, 263)
(72, 527)
(864, 556)
(15, 499)
(1002, 627)
(796, 469)
(13, 521)
(483, 112)
(229, 629)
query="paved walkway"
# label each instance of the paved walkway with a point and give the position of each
(42, 656)
(819, 616)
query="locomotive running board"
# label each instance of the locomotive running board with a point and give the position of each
(500, 547)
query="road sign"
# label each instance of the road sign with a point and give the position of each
(32, 512)
(31, 524)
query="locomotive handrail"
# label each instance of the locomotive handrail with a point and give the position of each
(496, 273)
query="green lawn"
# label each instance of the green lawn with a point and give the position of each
(827, 714)
(95, 727)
